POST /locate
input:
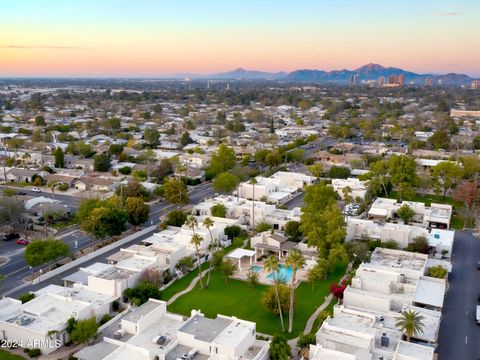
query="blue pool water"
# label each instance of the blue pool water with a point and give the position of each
(285, 274)
(257, 269)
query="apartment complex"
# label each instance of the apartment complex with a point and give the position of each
(149, 332)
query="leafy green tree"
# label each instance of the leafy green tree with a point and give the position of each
(163, 169)
(279, 348)
(225, 182)
(292, 230)
(175, 191)
(59, 157)
(296, 261)
(440, 140)
(222, 160)
(115, 149)
(132, 189)
(406, 213)
(410, 322)
(419, 244)
(185, 139)
(84, 330)
(318, 272)
(138, 212)
(151, 136)
(40, 252)
(358, 252)
(403, 173)
(379, 171)
(176, 218)
(322, 222)
(40, 120)
(101, 162)
(447, 175)
(141, 293)
(339, 172)
(316, 170)
(232, 231)
(218, 210)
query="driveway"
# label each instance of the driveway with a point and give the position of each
(459, 337)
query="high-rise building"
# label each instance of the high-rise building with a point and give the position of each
(381, 81)
(429, 82)
(396, 80)
(354, 79)
(475, 84)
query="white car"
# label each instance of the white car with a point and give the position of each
(36, 189)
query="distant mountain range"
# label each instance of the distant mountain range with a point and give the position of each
(366, 72)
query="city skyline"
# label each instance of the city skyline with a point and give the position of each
(146, 38)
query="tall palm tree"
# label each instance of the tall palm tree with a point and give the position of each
(191, 222)
(272, 265)
(197, 240)
(253, 182)
(52, 185)
(25, 158)
(410, 322)
(296, 261)
(208, 223)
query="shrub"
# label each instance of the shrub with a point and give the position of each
(419, 244)
(438, 272)
(34, 352)
(176, 218)
(140, 294)
(232, 231)
(115, 305)
(218, 210)
(63, 187)
(263, 226)
(26, 297)
(269, 299)
(105, 318)
(279, 348)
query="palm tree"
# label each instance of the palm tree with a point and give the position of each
(52, 184)
(253, 182)
(410, 322)
(208, 223)
(25, 157)
(197, 240)
(296, 261)
(272, 265)
(191, 222)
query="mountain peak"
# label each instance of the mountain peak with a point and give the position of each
(371, 67)
(239, 70)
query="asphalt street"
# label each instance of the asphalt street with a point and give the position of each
(459, 333)
(16, 269)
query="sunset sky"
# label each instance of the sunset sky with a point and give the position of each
(159, 37)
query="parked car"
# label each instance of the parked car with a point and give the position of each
(36, 189)
(22, 193)
(11, 236)
(22, 242)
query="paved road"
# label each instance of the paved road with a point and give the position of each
(15, 270)
(459, 337)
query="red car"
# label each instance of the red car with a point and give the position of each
(22, 242)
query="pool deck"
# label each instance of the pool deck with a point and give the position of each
(263, 275)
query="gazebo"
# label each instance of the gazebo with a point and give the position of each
(238, 254)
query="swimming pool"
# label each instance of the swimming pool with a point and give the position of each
(257, 269)
(284, 274)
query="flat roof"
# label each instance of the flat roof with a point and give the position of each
(139, 312)
(203, 328)
(97, 351)
(415, 351)
(430, 291)
(240, 253)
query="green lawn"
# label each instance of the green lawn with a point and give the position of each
(429, 198)
(236, 298)
(5, 355)
(181, 284)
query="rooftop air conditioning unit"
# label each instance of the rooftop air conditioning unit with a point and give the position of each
(384, 340)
